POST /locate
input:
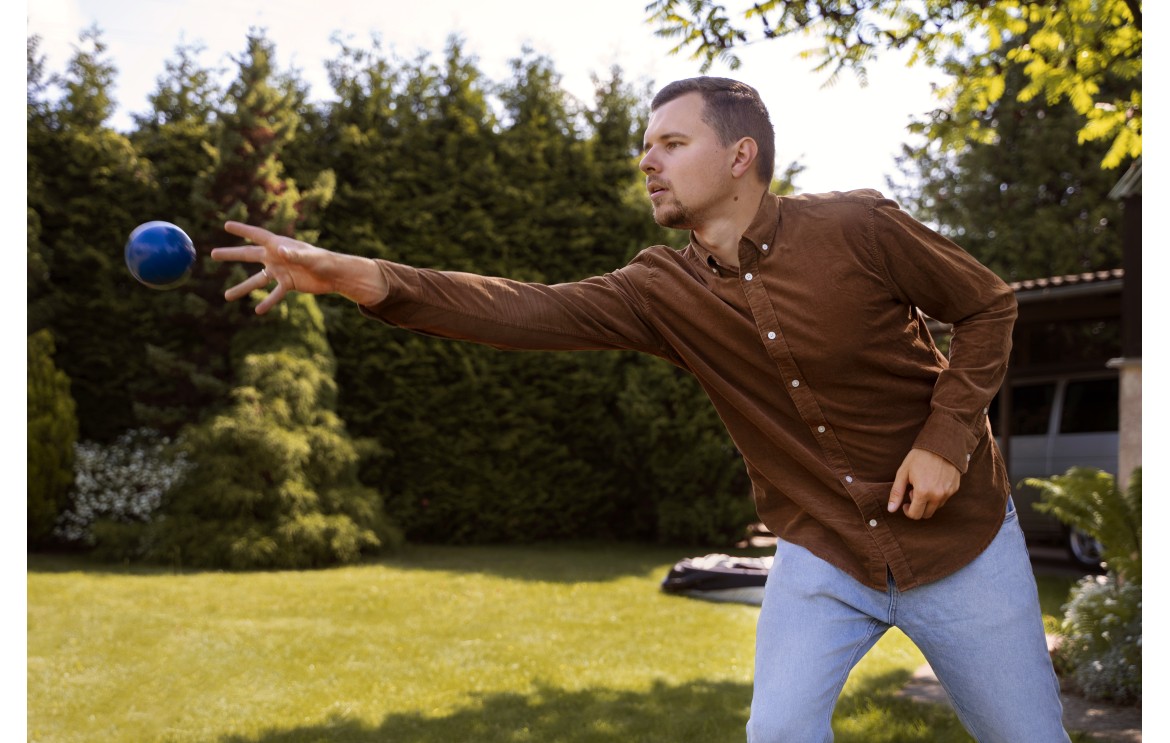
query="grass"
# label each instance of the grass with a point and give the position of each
(438, 645)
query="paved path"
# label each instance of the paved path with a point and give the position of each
(1108, 723)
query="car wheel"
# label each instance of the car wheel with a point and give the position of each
(1084, 550)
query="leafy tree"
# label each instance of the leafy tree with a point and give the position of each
(1030, 203)
(1070, 49)
(52, 432)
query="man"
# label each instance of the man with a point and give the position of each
(869, 454)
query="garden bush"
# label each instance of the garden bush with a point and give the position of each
(122, 482)
(1100, 652)
(52, 432)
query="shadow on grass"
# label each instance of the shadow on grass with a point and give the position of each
(551, 563)
(699, 712)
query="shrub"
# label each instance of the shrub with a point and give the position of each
(1100, 651)
(122, 482)
(1101, 639)
(52, 432)
(1088, 499)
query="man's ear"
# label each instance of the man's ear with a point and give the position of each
(745, 152)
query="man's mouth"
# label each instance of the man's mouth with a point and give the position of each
(655, 189)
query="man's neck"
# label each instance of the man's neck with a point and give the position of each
(721, 234)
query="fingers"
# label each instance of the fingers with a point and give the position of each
(271, 300)
(244, 253)
(898, 491)
(256, 281)
(248, 232)
(916, 507)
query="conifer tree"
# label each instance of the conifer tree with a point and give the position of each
(274, 476)
(85, 185)
(175, 135)
(52, 432)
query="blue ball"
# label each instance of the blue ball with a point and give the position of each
(160, 255)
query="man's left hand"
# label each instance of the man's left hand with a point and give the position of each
(923, 484)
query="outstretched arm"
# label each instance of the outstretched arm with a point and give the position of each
(299, 266)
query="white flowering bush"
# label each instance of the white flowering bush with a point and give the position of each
(1101, 647)
(123, 482)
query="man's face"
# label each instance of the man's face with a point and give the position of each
(687, 170)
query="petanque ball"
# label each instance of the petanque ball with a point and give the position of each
(160, 255)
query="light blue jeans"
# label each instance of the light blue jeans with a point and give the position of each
(979, 628)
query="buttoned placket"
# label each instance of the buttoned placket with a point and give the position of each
(872, 510)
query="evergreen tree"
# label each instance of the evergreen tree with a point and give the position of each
(176, 135)
(274, 477)
(85, 185)
(52, 432)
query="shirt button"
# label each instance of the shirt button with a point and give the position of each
(771, 335)
(796, 383)
(968, 457)
(764, 246)
(873, 522)
(715, 270)
(848, 478)
(820, 429)
(748, 277)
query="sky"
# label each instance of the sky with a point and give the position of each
(846, 135)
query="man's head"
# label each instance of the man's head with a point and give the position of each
(734, 110)
(707, 151)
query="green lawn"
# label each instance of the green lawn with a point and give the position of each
(438, 645)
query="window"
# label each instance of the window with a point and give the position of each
(1031, 409)
(1090, 406)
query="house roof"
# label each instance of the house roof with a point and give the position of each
(1130, 183)
(1094, 282)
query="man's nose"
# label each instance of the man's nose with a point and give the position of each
(647, 164)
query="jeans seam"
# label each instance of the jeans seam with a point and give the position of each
(854, 658)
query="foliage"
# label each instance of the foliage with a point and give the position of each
(52, 432)
(120, 482)
(1101, 635)
(1089, 500)
(699, 498)
(273, 482)
(85, 184)
(1029, 203)
(1101, 639)
(274, 476)
(1069, 49)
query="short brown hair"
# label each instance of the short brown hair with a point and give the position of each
(734, 110)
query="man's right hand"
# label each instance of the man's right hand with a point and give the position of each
(299, 266)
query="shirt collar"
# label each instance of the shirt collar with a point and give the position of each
(762, 230)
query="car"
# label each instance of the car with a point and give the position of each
(1058, 422)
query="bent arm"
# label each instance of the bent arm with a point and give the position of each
(928, 271)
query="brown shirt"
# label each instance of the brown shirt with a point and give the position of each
(814, 353)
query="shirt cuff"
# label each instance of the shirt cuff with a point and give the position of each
(949, 438)
(390, 305)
